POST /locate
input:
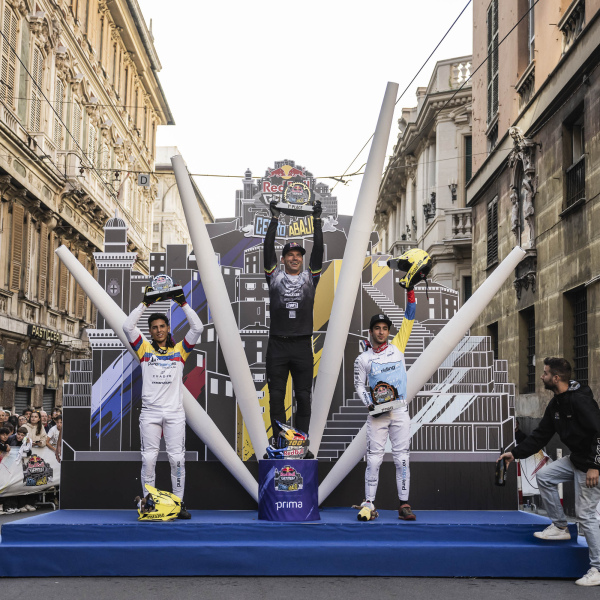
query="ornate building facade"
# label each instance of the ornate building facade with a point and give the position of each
(536, 184)
(80, 102)
(168, 220)
(421, 199)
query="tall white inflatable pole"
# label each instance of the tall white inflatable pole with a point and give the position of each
(221, 310)
(202, 425)
(351, 272)
(428, 363)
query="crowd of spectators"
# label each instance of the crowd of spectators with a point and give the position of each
(29, 431)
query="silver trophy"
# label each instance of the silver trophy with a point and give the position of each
(297, 199)
(163, 288)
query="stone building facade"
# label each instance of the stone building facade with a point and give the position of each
(422, 196)
(168, 220)
(536, 184)
(80, 102)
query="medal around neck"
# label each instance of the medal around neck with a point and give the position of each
(163, 287)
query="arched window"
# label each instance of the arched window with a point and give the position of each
(26, 375)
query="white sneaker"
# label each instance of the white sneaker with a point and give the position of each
(592, 577)
(30, 508)
(552, 532)
(11, 511)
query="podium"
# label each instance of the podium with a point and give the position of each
(288, 490)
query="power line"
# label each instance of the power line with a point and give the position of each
(134, 106)
(411, 82)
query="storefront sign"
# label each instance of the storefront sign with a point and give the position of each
(41, 333)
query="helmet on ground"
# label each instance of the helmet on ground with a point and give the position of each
(158, 505)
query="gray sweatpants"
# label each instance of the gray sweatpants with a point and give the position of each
(586, 500)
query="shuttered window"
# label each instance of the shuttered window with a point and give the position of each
(492, 233)
(92, 145)
(37, 72)
(468, 158)
(492, 62)
(9, 58)
(80, 296)
(76, 129)
(59, 92)
(43, 265)
(27, 244)
(63, 286)
(16, 247)
(51, 296)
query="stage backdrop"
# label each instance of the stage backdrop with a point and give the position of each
(460, 419)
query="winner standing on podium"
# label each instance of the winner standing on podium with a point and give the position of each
(162, 363)
(292, 298)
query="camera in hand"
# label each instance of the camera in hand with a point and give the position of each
(500, 476)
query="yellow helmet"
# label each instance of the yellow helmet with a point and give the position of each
(158, 505)
(417, 264)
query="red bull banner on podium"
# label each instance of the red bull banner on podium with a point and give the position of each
(288, 490)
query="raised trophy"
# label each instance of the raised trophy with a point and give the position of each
(297, 199)
(162, 288)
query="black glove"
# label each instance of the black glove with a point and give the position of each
(148, 301)
(179, 297)
(275, 212)
(317, 210)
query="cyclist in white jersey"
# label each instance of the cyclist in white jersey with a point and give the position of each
(162, 413)
(381, 371)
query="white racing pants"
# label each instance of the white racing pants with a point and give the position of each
(396, 424)
(153, 424)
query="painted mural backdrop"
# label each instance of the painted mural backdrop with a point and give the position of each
(465, 412)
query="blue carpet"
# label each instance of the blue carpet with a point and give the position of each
(438, 544)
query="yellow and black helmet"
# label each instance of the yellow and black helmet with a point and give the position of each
(158, 505)
(417, 265)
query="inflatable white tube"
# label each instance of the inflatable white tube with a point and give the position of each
(428, 363)
(351, 272)
(221, 310)
(197, 418)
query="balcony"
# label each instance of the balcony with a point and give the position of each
(526, 85)
(459, 227)
(401, 246)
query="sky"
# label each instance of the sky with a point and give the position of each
(250, 83)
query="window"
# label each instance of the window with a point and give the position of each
(76, 129)
(531, 31)
(37, 72)
(250, 286)
(228, 388)
(468, 158)
(26, 376)
(210, 335)
(214, 386)
(575, 157)
(527, 377)
(578, 332)
(492, 232)
(467, 288)
(9, 58)
(259, 357)
(92, 142)
(492, 63)
(59, 92)
(156, 227)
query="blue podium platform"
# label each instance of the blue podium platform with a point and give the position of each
(236, 543)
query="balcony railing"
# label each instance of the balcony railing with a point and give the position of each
(399, 247)
(576, 182)
(460, 224)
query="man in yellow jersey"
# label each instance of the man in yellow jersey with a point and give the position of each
(379, 377)
(162, 362)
